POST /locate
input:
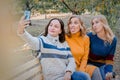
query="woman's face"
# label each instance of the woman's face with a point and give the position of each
(97, 25)
(54, 28)
(74, 25)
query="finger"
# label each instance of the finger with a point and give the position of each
(24, 22)
(27, 22)
(22, 18)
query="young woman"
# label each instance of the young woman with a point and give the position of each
(102, 45)
(79, 45)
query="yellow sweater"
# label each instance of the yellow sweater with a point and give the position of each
(80, 49)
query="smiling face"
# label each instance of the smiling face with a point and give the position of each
(74, 25)
(54, 28)
(97, 25)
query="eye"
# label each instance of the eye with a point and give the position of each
(76, 22)
(56, 26)
(96, 22)
(50, 25)
(70, 22)
(92, 23)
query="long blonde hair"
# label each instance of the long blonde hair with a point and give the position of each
(108, 32)
(82, 29)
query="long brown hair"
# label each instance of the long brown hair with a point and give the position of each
(62, 34)
(82, 29)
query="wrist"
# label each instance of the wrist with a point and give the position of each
(68, 71)
(21, 31)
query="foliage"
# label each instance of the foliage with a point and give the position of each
(109, 8)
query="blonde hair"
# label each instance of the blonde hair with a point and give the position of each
(82, 28)
(108, 32)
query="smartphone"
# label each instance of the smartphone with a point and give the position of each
(27, 15)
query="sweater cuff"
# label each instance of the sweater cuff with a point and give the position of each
(68, 70)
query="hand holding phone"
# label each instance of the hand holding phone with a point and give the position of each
(27, 14)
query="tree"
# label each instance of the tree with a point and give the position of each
(109, 8)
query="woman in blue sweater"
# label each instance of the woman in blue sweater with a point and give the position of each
(102, 45)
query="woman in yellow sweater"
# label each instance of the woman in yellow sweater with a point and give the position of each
(79, 45)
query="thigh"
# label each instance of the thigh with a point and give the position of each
(96, 75)
(90, 69)
(105, 69)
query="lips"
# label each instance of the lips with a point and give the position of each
(72, 29)
(52, 31)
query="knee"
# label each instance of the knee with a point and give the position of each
(80, 76)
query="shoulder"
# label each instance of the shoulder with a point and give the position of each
(65, 43)
(114, 40)
(66, 36)
(86, 37)
(41, 37)
(90, 34)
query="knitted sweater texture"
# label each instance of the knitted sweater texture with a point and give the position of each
(80, 48)
(55, 57)
(100, 52)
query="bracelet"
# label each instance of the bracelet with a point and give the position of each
(69, 71)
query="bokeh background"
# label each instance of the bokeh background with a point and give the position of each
(14, 52)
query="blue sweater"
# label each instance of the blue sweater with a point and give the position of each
(100, 51)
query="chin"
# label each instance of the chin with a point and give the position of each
(97, 31)
(53, 35)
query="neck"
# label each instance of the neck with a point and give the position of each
(52, 37)
(76, 34)
(101, 35)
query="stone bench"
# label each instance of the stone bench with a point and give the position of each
(28, 71)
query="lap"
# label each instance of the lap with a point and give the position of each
(90, 69)
(80, 76)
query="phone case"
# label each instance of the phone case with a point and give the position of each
(27, 14)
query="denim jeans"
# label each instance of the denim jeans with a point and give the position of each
(80, 76)
(104, 69)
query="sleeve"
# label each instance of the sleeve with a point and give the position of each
(71, 62)
(109, 58)
(32, 41)
(85, 57)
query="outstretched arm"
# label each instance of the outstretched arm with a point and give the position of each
(32, 41)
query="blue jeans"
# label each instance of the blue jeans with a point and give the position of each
(80, 76)
(105, 69)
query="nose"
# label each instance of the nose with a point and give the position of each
(72, 25)
(94, 25)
